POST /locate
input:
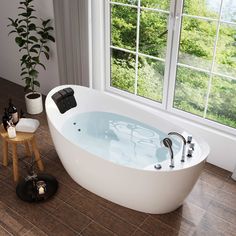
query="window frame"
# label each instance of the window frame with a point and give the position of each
(174, 26)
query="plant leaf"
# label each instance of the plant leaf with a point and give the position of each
(36, 59)
(20, 30)
(32, 17)
(42, 65)
(20, 42)
(29, 9)
(24, 48)
(13, 31)
(12, 21)
(47, 48)
(33, 73)
(24, 3)
(24, 57)
(24, 35)
(36, 83)
(48, 28)
(32, 26)
(45, 22)
(46, 55)
(25, 14)
(23, 73)
(51, 38)
(33, 50)
(28, 81)
(33, 38)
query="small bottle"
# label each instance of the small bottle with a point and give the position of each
(5, 119)
(13, 112)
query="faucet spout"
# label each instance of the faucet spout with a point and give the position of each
(168, 143)
(184, 143)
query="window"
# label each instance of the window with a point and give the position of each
(177, 55)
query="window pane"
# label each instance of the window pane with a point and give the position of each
(197, 42)
(206, 8)
(131, 2)
(190, 90)
(222, 101)
(122, 70)
(123, 27)
(226, 51)
(153, 33)
(157, 4)
(229, 10)
(150, 78)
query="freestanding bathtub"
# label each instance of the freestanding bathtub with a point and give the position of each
(110, 146)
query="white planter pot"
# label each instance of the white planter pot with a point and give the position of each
(33, 105)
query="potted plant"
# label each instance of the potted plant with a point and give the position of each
(32, 37)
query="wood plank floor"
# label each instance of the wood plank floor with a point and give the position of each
(209, 210)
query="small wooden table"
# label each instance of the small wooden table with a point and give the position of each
(23, 138)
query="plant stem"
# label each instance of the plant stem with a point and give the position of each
(27, 48)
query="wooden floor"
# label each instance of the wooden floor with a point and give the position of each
(209, 210)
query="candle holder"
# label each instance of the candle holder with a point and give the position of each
(36, 187)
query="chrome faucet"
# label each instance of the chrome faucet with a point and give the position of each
(168, 143)
(184, 144)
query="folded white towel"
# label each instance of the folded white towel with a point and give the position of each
(27, 125)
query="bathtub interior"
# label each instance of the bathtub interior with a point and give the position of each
(89, 100)
(118, 138)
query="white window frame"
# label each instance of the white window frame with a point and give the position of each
(100, 62)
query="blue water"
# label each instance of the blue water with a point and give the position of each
(118, 138)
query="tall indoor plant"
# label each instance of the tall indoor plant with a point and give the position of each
(32, 37)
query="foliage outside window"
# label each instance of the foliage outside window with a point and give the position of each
(205, 70)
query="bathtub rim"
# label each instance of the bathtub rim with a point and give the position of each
(205, 149)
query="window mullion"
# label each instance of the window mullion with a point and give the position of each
(173, 61)
(213, 60)
(137, 49)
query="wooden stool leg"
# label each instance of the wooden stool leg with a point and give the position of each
(27, 149)
(15, 162)
(5, 153)
(37, 155)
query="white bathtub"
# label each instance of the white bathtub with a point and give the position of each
(144, 188)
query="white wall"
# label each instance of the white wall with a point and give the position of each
(9, 54)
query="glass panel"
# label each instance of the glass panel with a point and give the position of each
(123, 27)
(190, 90)
(131, 2)
(153, 33)
(229, 10)
(197, 42)
(206, 8)
(122, 70)
(157, 4)
(150, 78)
(222, 101)
(226, 51)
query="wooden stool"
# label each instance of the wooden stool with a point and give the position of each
(24, 138)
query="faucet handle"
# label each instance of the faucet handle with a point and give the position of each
(192, 145)
(190, 152)
(189, 139)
